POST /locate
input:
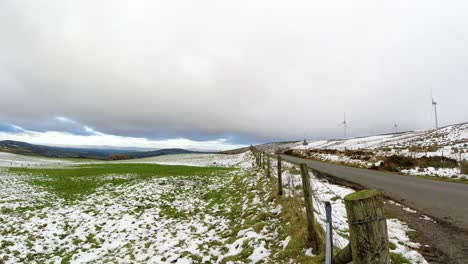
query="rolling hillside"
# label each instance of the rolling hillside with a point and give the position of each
(23, 148)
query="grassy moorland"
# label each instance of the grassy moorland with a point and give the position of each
(145, 213)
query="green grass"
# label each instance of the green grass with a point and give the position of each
(78, 160)
(70, 182)
(398, 259)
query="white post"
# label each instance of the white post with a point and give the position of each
(329, 241)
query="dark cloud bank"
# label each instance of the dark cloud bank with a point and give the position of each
(248, 72)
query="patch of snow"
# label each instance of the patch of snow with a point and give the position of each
(14, 160)
(285, 242)
(431, 171)
(309, 253)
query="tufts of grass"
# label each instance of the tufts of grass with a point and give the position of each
(294, 225)
(395, 162)
(169, 211)
(242, 256)
(398, 259)
(431, 148)
(6, 210)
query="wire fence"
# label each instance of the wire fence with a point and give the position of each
(314, 201)
(292, 187)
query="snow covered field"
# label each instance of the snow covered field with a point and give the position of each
(218, 216)
(450, 136)
(14, 160)
(242, 161)
(156, 220)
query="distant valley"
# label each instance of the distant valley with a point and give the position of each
(24, 148)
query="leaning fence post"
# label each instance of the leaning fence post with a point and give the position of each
(280, 176)
(329, 232)
(367, 227)
(312, 238)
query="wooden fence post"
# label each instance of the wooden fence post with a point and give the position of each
(312, 236)
(280, 176)
(367, 227)
(268, 166)
(344, 256)
(259, 159)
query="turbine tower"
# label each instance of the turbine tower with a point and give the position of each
(305, 143)
(434, 105)
(344, 124)
(395, 126)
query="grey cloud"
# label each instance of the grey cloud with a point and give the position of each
(269, 70)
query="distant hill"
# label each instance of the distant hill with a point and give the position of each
(450, 136)
(160, 152)
(23, 148)
(235, 151)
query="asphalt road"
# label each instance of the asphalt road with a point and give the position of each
(441, 200)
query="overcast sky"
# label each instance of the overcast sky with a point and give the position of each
(227, 72)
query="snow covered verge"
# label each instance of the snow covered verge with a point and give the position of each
(384, 161)
(227, 217)
(433, 153)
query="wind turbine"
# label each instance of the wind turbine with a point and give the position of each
(434, 105)
(395, 125)
(344, 124)
(305, 143)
